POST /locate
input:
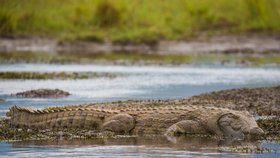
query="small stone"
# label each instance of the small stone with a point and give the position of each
(29, 130)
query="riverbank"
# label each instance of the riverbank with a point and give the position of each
(238, 44)
(54, 75)
(244, 50)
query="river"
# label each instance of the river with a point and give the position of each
(132, 82)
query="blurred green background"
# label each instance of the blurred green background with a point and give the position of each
(137, 21)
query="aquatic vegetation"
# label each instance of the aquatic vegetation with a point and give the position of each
(115, 58)
(53, 75)
(267, 60)
(133, 58)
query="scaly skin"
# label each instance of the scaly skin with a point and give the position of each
(141, 120)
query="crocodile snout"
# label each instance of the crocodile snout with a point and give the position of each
(256, 131)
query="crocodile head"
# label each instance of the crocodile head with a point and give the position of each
(239, 125)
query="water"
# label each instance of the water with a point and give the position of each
(102, 151)
(130, 147)
(125, 147)
(132, 82)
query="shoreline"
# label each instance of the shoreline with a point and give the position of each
(244, 50)
(253, 45)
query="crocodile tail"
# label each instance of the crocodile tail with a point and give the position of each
(55, 117)
(19, 115)
(13, 110)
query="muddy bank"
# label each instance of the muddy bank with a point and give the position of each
(258, 101)
(253, 44)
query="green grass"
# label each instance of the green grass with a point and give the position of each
(30, 57)
(134, 58)
(137, 21)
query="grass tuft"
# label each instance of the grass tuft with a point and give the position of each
(261, 14)
(8, 23)
(107, 15)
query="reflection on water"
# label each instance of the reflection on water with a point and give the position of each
(156, 146)
(124, 147)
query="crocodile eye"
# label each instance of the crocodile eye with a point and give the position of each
(234, 116)
(236, 127)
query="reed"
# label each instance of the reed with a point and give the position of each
(137, 21)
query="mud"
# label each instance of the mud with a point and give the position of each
(258, 101)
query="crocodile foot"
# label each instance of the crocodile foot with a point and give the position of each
(185, 127)
(120, 124)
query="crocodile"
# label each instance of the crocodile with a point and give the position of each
(137, 120)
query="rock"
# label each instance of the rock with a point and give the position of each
(29, 130)
(43, 93)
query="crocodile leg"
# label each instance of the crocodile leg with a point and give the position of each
(185, 127)
(120, 123)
